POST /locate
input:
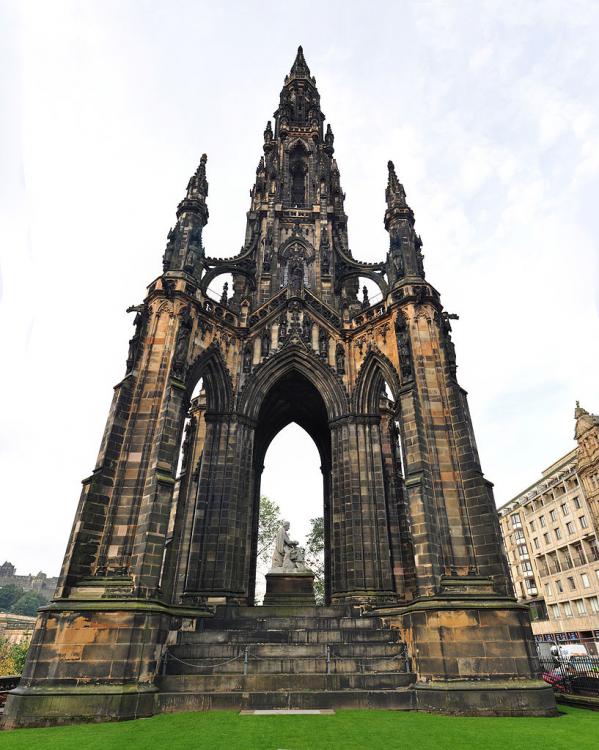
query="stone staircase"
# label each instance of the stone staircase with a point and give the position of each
(286, 658)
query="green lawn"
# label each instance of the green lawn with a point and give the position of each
(348, 730)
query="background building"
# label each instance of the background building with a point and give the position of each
(39, 583)
(550, 536)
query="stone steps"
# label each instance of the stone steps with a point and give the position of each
(289, 666)
(301, 635)
(217, 651)
(232, 613)
(399, 699)
(297, 657)
(284, 623)
(269, 682)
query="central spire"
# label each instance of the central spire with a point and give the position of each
(300, 68)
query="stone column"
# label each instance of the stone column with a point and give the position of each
(360, 554)
(221, 533)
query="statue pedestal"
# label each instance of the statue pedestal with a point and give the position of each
(289, 587)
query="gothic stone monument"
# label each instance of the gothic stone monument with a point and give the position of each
(412, 536)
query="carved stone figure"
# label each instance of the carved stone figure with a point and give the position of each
(140, 322)
(323, 344)
(283, 327)
(405, 352)
(307, 328)
(187, 440)
(282, 544)
(340, 359)
(296, 275)
(247, 358)
(182, 341)
(265, 343)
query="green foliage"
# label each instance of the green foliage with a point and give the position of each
(12, 657)
(575, 729)
(9, 595)
(315, 556)
(28, 603)
(268, 524)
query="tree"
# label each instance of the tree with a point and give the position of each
(268, 524)
(269, 521)
(12, 657)
(315, 556)
(28, 603)
(9, 595)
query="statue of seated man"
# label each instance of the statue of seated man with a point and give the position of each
(282, 544)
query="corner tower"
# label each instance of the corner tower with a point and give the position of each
(411, 531)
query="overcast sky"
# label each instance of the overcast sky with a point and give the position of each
(490, 111)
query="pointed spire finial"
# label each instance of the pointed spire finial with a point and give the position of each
(300, 68)
(395, 193)
(198, 184)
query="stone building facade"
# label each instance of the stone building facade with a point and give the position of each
(551, 539)
(411, 531)
(40, 583)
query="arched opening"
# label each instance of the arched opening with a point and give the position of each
(292, 399)
(291, 485)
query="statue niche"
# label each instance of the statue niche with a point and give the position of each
(298, 169)
(294, 259)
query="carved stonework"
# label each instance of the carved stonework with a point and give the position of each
(409, 520)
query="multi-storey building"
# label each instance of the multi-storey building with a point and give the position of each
(550, 536)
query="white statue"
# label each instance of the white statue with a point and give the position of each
(287, 555)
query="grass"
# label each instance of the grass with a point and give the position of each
(347, 730)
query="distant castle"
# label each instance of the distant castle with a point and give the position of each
(40, 583)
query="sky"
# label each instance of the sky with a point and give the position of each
(490, 111)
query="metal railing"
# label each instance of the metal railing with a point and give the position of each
(246, 657)
(578, 675)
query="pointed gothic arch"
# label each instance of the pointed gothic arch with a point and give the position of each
(376, 370)
(210, 366)
(294, 357)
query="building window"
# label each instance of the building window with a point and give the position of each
(585, 580)
(555, 611)
(594, 604)
(526, 568)
(567, 609)
(559, 587)
(584, 524)
(523, 551)
(594, 549)
(580, 608)
(553, 515)
(532, 525)
(531, 587)
(548, 589)
(576, 501)
(535, 541)
(565, 509)
(516, 522)
(570, 527)
(542, 521)
(546, 537)
(519, 535)
(558, 532)
(571, 583)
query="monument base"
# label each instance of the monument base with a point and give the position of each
(289, 587)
